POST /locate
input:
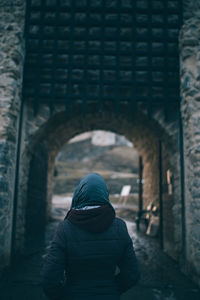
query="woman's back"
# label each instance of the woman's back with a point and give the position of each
(92, 259)
(88, 246)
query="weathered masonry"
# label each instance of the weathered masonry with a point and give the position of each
(131, 67)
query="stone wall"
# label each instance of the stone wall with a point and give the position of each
(11, 67)
(169, 136)
(35, 215)
(32, 140)
(190, 108)
(191, 8)
(172, 215)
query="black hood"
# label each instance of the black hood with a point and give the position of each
(91, 191)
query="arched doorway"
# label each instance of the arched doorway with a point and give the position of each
(153, 144)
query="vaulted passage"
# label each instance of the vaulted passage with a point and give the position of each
(156, 148)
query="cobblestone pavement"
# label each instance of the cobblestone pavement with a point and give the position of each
(160, 275)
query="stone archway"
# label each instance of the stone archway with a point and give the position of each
(145, 133)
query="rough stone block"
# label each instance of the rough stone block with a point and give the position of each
(4, 148)
(3, 184)
(3, 200)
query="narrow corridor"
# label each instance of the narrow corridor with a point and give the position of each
(160, 275)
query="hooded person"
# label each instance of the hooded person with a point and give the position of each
(88, 247)
(91, 208)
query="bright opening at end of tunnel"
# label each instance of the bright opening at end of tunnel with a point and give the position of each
(106, 153)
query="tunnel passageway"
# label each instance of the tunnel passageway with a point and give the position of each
(160, 275)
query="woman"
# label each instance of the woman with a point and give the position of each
(88, 246)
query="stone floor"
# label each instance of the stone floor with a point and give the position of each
(160, 275)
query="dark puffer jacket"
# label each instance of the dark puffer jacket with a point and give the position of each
(88, 246)
(89, 261)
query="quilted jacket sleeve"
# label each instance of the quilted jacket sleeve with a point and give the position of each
(52, 275)
(129, 272)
